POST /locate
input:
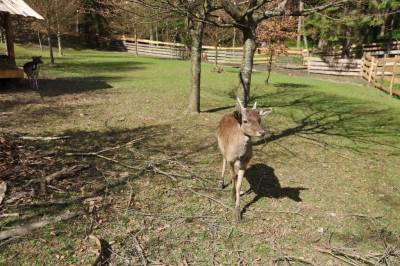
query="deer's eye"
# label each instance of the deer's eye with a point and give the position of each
(245, 121)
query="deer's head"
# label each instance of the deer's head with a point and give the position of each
(250, 119)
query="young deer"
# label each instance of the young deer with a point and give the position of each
(32, 69)
(234, 134)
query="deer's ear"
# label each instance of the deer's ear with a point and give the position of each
(264, 112)
(238, 116)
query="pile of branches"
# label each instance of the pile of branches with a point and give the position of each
(21, 160)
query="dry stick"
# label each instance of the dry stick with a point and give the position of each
(59, 174)
(121, 146)
(63, 173)
(6, 215)
(350, 255)
(363, 216)
(43, 138)
(27, 228)
(166, 216)
(289, 212)
(291, 258)
(335, 256)
(154, 169)
(210, 198)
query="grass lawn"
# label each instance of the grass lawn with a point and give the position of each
(327, 174)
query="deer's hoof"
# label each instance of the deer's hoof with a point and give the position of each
(222, 184)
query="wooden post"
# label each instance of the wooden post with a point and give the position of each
(383, 69)
(9, 37)
(393, 77)
(375, 72)
(371, 69)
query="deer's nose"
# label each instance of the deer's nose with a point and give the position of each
(261, 133)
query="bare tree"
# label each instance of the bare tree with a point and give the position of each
(247, 15)
(57, 14)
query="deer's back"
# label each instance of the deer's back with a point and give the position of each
(234, 145)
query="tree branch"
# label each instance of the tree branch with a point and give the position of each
(281, 11)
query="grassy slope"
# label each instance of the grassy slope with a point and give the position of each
(335, 146)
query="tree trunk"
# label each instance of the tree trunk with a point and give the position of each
(246, 69)
(300, 24)
(77, 22)
(60, 49)
(40, 41)
(346, 44)
(196, 32)
(50, 47)
(269, 65)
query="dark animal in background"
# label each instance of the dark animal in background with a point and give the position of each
(234, 135)
(31, 70)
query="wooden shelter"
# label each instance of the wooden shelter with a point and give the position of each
(9, 10)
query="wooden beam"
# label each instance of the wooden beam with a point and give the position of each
(9, 37)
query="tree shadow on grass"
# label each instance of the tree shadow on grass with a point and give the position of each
(287, 85)
(62, 86)
(320, 117)
(264, 183)
(217, 109)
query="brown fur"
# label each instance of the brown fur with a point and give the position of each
(234, 140)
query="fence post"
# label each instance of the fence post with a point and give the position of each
(371, 69)
(383, 70)
(393, 77)
(362, 66)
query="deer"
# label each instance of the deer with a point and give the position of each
(32, 69)
(234, 134)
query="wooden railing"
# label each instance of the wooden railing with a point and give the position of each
(211, 54)
(382, 72)
(154, 48)
(334, 66)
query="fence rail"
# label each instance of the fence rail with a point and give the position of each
(332, 66)
(382, 72)
(222, 55)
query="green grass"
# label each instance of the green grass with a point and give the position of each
(332, 144)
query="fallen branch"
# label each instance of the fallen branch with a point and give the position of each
(27, 228)
(6, 215)
(169, 216)
(339, 252)
(284, 212)
(70, 171)
(336, 256)
(63, 173)
(291, 258)
(210, 198)
(363, 216)
(43, 138)
(144, 168)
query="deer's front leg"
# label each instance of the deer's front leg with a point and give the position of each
(234, 178)
(222, 182)
(238, 187)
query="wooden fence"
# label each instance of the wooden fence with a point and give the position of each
(382, 72)
(334, 66)
(211, 54)
(154, 48)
